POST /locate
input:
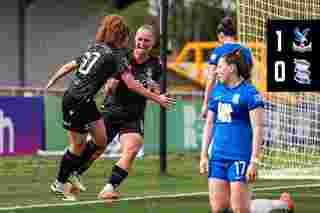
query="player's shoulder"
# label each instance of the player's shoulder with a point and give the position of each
(218, 88)
(246, 50)
(249, 88)
(218, 49)
(226, 48)
(100, 47)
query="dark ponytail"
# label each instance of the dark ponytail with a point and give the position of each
(237, 58)
(227, 27)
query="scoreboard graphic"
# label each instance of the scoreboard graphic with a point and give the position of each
(293, 55)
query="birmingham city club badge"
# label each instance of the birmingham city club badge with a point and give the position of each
(302, 72)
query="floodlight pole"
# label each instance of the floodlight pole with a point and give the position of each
(163, 84)
(21, 42)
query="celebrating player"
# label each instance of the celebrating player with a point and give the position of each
(123, 110)
(80, 115)
(233, 129)
(227, 36)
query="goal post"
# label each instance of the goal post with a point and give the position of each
(291, 148)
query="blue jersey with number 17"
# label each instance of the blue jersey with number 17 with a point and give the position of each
(232, 132)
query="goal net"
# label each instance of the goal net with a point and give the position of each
(291, 146)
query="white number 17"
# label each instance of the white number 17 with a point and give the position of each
(240, 167)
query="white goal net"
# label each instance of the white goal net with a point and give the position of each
(292, 123)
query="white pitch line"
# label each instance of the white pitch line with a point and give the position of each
(149, 197)
(101, 201)
(268, 188)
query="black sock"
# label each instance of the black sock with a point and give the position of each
(226, 210)
(117, 176)
(87, 157)
(68, 164)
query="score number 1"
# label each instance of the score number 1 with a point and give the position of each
(279, 66)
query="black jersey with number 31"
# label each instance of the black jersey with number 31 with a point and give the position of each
(96, 66)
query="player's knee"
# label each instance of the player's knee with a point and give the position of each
(99, 151)
(219, 206)
(133, 149)
(101, 142)
(75, 148)
(100, 148)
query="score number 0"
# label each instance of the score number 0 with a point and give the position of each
(279, 66)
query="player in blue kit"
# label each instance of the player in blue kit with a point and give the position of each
(234, 131)
(227, 35)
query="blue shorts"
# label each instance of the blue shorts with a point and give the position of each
(228, 170)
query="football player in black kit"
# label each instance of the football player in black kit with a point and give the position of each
(100, 62)
(127, 119)
(123, 110)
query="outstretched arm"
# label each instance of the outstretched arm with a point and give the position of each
(135, 86)
(65, 69)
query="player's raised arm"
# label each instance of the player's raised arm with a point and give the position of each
(135, 86)
(64, 70)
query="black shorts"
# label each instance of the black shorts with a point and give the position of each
(78, 116)
(122, 128)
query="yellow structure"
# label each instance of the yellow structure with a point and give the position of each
(191, 62)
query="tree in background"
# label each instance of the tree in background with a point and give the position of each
(193, 20)
(120, 4)
(189, 20)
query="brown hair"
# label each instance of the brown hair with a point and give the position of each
(237, 58)
(113, 29)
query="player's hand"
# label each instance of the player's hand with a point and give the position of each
(166, 101)
(48, 86)
(204, 111)
(203, 165)
(252, 172)
(111, 86)
(154, 86)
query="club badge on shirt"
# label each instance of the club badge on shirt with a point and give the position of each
(236, 99)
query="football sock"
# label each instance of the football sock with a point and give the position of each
(86, 157)
(226, 210)
(68, 164)
(117, 176)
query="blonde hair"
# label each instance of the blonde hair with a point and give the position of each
(147, 27)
